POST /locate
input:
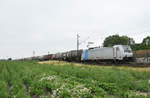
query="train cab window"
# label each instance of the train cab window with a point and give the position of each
(127, 49)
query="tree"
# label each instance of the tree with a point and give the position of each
(146, 41)
(118, 40)
(9, 59)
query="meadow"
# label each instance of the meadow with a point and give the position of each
(31, 79)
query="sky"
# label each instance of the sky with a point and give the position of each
(52, 25)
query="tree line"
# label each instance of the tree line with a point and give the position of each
(125, 40)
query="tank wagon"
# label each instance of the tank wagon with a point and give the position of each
(45, 57)
(74, 55)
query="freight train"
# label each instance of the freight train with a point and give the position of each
(117, 53)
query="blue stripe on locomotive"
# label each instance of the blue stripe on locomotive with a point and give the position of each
(86, 55)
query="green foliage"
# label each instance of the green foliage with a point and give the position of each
(124, 94)
(125, 40)
(97, 91)
(28, 79)
(139, 47)
(37, 88)
(142, 46)
(111, 88)
(142, 86)
(3, 89)
(65, 94)
(146, 41)
(117, 40)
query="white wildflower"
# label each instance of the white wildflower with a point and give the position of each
(48, 78)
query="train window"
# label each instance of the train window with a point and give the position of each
(127, 49)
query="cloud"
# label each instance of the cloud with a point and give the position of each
(52, 25)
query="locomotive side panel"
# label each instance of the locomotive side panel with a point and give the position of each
(100, 54)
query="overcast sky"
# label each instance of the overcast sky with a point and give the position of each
(52, 25)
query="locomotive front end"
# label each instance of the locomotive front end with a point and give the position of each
(128, 54)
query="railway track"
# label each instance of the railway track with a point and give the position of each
(129, 64)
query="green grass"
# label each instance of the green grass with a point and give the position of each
(20, 79)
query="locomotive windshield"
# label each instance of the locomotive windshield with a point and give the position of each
(127, 49)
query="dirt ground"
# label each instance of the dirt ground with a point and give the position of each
(54, 62)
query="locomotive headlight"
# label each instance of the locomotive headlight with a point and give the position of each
(129, 55)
